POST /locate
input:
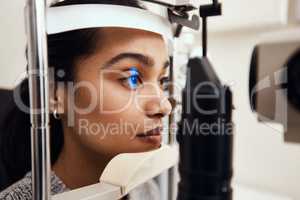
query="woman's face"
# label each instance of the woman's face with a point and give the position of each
(118, 93)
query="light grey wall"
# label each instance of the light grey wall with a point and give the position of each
(12, 40)
(261, 158)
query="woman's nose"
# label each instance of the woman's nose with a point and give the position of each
(158, 106)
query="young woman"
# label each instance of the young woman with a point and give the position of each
(108, 99)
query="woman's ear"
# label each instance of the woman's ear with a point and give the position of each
(56, 100)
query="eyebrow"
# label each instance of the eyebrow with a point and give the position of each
(146, 60)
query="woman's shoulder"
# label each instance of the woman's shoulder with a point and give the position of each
(19, 190)
(22, 189)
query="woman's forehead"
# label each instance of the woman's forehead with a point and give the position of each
(131, 40)
(117, 42)
(124, 39)
(112, 33)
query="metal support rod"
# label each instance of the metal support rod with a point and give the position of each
(214, 9)
(39, 92)
(204, 36)
(171, 183)
(171, 93)
(172, 139)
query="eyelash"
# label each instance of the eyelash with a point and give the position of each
(164, 82)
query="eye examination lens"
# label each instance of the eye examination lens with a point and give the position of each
(293, 66)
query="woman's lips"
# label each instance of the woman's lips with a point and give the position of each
(152, 136)
(152, 132)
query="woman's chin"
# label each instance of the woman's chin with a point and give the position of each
(148, 144)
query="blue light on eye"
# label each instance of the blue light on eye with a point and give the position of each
(133, 79)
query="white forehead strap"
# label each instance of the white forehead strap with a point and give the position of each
(73, 17)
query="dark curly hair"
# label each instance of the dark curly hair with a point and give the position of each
(63, 50)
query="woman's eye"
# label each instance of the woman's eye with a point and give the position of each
(134, 80)
(164, 83)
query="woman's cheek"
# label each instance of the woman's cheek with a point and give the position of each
(115, 97)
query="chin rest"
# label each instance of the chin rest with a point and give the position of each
(124, 173)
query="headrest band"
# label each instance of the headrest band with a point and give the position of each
(73, 17)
